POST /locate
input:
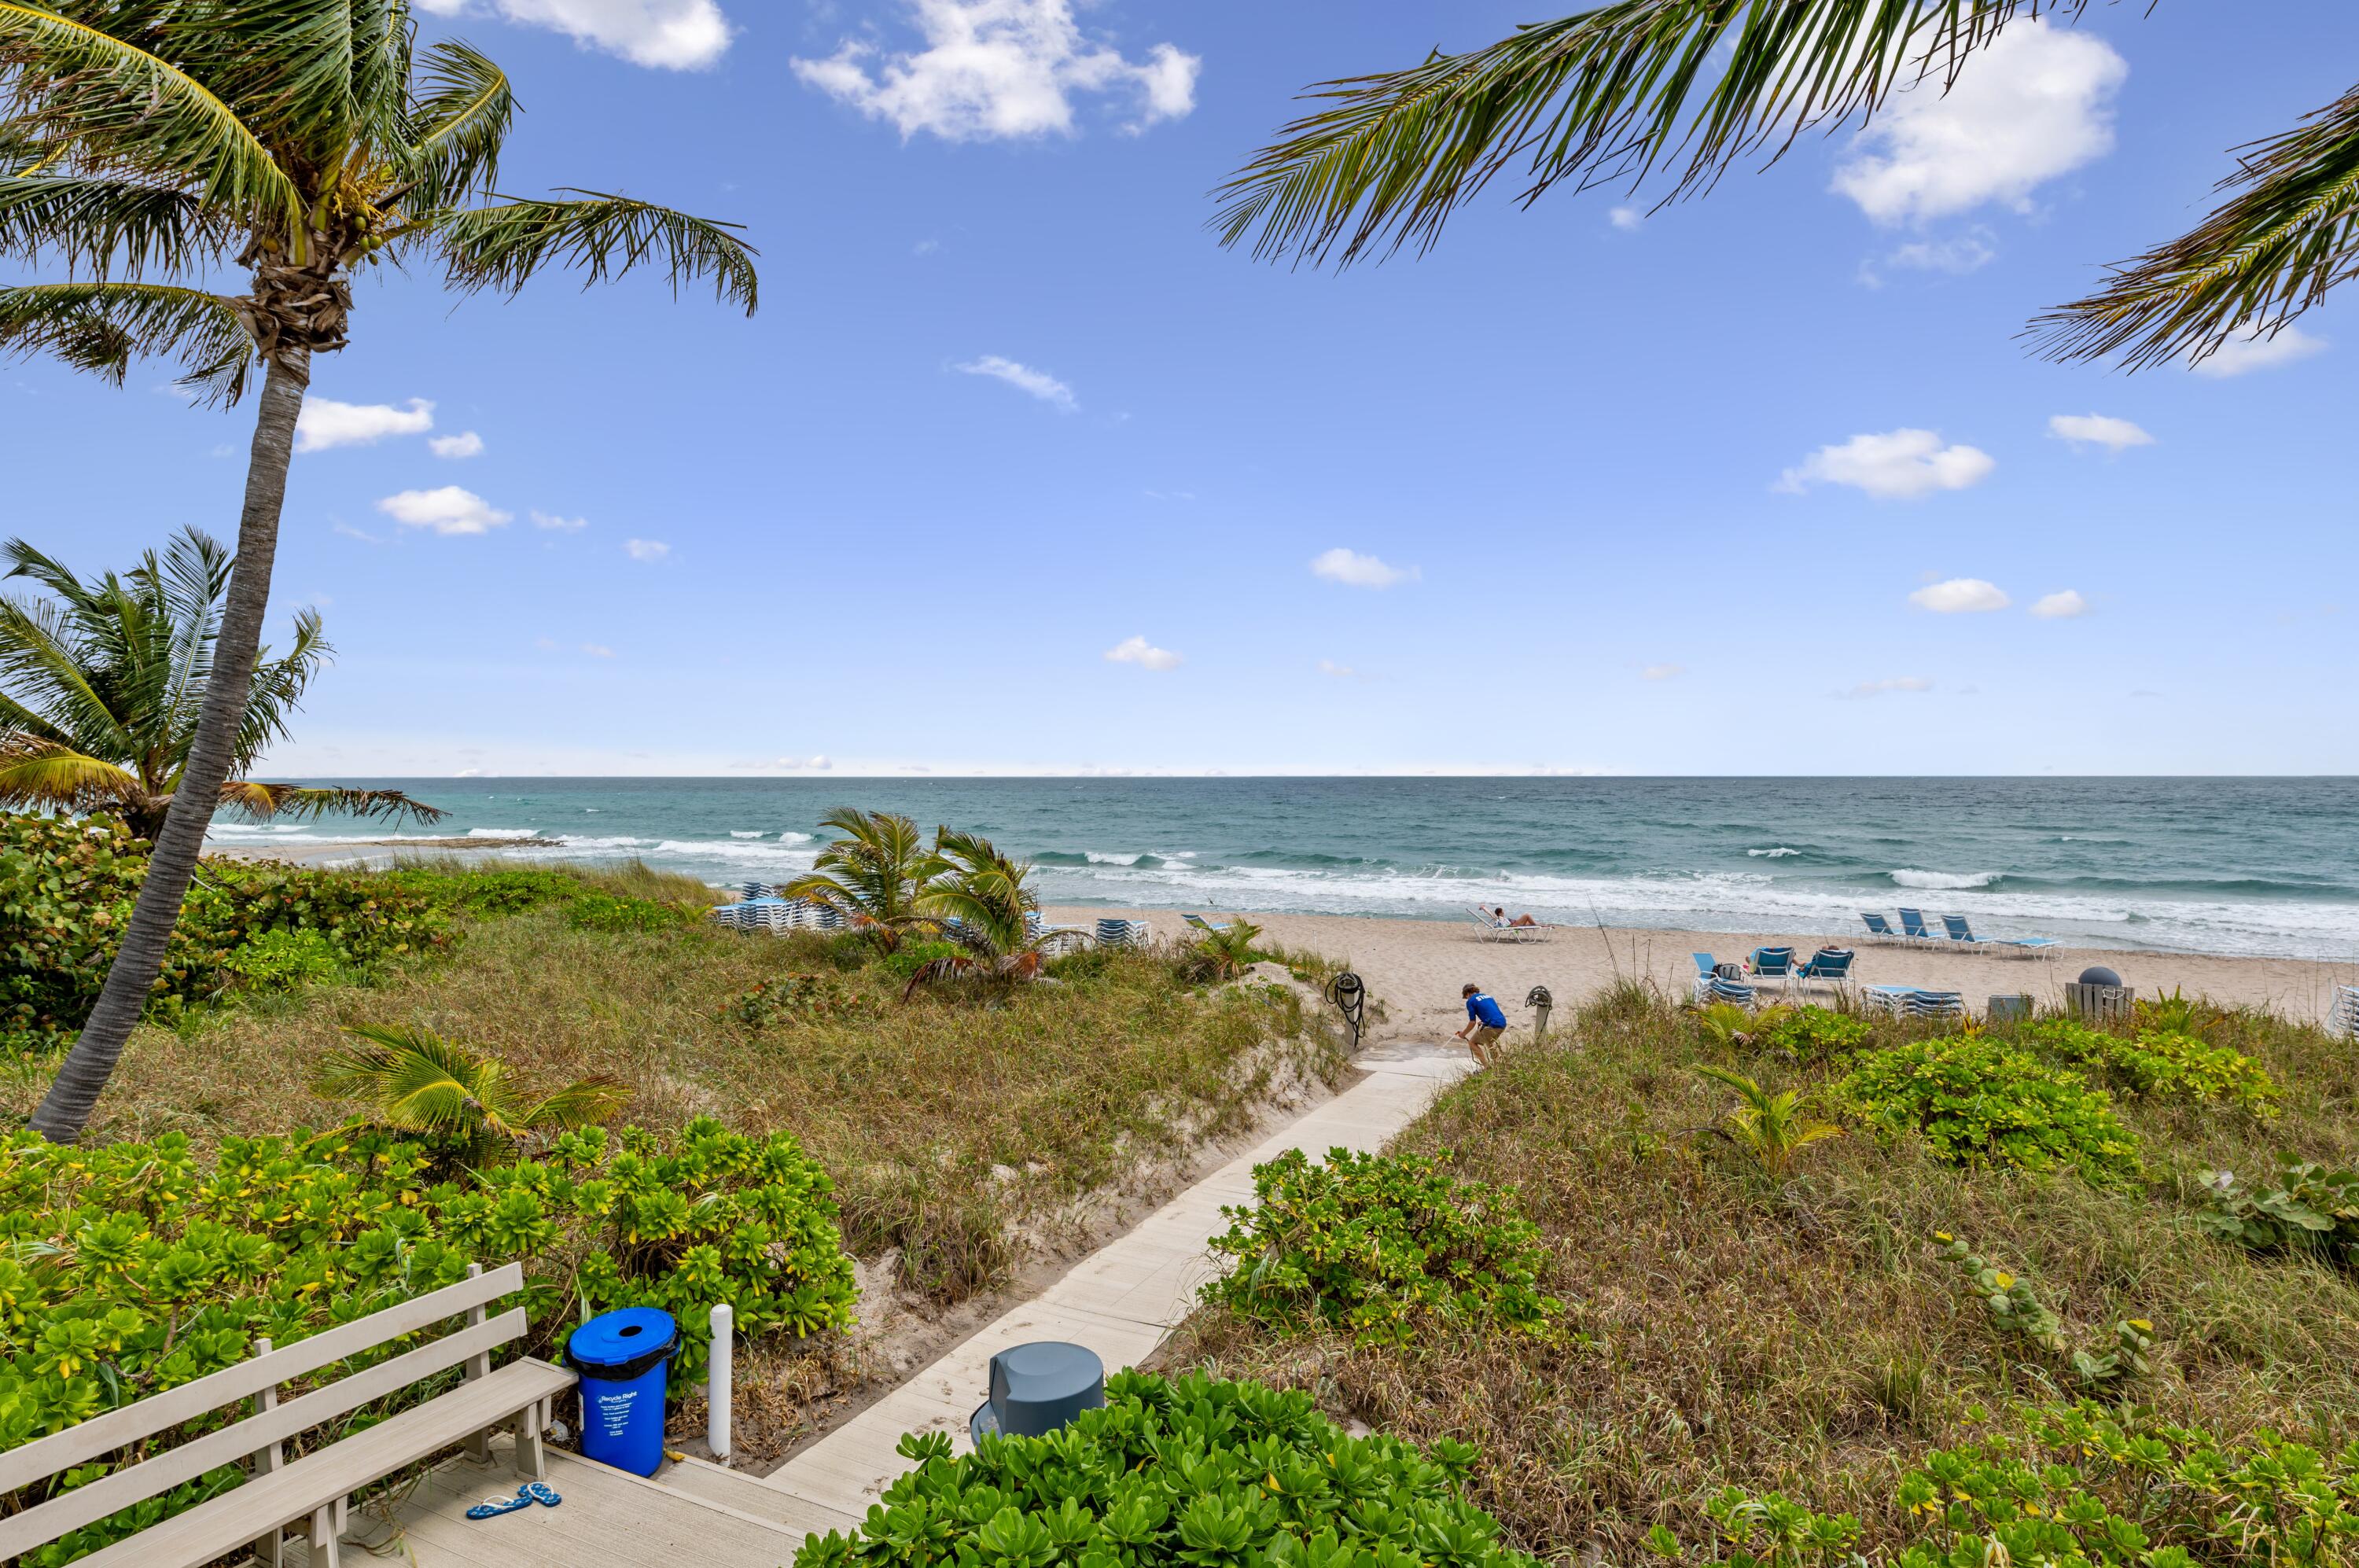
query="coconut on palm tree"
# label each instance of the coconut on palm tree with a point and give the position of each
(148, 149)
(871, 874)
(983, 901)
(100, 684)
(1688, 87)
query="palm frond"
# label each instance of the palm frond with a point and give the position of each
(1609, 93)
(2260, 260)
(411, 1079)
(120, 105)
(193, 587)
(501, 248)
(584, 1104)
(461, 115)
(105, 226)
(308, 802)
(41, 776)
(103, 327)
(43, 668)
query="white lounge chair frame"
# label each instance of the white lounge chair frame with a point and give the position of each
(315, 1490)
(1502, 930)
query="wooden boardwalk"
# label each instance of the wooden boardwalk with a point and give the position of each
(1120, 1302)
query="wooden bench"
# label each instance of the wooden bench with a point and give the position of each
(317, 1488)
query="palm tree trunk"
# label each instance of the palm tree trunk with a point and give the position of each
(66, 1110)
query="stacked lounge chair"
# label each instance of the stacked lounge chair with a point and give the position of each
(1114, 932)
(2345, 1017)
(1913, 1002)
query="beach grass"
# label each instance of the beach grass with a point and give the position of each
(949, 1121)
(1806, 1335)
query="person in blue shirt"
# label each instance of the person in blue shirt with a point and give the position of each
(1484, 1024)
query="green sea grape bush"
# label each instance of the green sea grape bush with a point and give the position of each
(1191, 1473)
(2018, 1315)
(1381, 1245)
(1980, 1101)
(2162, 1064)
(2078, 1486)
(617, 914)
(130, 1269)
(802, 999)
(283, 960)
(2305, 1207)
(66, 889)
(1812, 1033)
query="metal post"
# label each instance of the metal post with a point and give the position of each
(1539, 1001)
(1351, 998)
(717, 1385)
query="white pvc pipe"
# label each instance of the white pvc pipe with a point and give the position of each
(717, 1381)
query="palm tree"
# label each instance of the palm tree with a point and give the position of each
(148, 147)
(100, 689)
(1692, 86)
(416, 1081)
(1226, 953)
(983, 900)
(872, 872)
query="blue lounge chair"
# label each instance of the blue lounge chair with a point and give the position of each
(1914, 929)
(1829, 966)
(1114, 932)
(1913, 1002)
(1770, 962)
(1200, 924)
(2032, 946)
(1713, 988)
(1961, 932)
(1878, 927)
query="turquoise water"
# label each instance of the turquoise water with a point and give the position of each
(2211, 865)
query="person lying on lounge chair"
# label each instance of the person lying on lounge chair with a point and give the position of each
(1500, 915)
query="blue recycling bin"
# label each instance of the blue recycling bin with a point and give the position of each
(623, 1358)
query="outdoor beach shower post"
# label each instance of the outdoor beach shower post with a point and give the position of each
(1351, 998)
(717, 1384)
(1540, 1002)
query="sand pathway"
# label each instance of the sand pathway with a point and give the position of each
(1121, 1299)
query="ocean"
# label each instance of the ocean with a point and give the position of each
(2233, 865)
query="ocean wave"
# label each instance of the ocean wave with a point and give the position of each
(1946, 881)
(1780, 853)
(791, 838)
(735, 834)
(503, 833)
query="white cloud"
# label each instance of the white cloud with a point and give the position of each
(558, 523)
(2036, 104)
(449, 510)
(1037, 383)
(1356, 571)
(1662, 672)
(925, 247)
(2253, 349)
(2061, 606)
(1626, 218)
(2097, 429)
(1135, 650)
(1957, 255)
(1960, 596)
(1878, 688)
(324, 422)
(351, 532)
(677, 35)
(597, 650)
(1340, 672)
(1898, 464)
(1000, 69)
(646, 550)
(466, 443)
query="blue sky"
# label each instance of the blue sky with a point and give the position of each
(1762, 482)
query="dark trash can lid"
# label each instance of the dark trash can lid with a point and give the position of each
(1036, 1388)
(2098, 975)
(618, 1345)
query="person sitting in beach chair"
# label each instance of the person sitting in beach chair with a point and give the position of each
(1500, 915)
(1484, 1024)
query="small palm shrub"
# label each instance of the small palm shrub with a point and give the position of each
(1382, 1245)
(2078, 1486)
(1771, 1127)
(2162, 1064)
(1979, 1101)
(414, 1080)
(2303, 1208)
(1223, 954)
(1172, 1473)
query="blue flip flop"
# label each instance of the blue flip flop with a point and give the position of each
(498, 1505)
(539, 1492)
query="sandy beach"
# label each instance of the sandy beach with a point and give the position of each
(1416, 968)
